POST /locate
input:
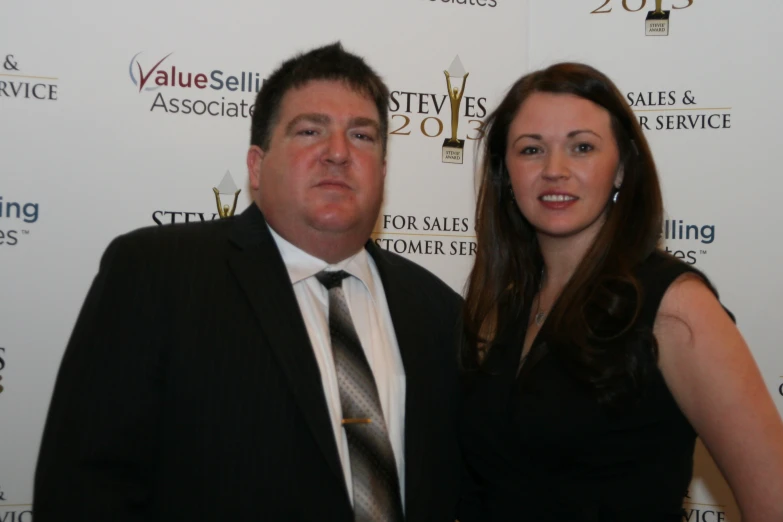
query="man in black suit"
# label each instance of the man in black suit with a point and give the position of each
(205, 379)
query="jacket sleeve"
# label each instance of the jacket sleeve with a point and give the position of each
(101, 439)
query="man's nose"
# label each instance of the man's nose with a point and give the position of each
(337, 149)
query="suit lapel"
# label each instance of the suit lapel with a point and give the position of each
(262, 275)
(410, 328)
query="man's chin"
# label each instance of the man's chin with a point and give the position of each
(335, 223)
(343, 219)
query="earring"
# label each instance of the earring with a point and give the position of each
(614, 196)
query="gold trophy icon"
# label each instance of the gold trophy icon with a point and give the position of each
(454, 148)
(657, 23)
(227, 187)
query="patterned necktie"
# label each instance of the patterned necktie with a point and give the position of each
(376, 487)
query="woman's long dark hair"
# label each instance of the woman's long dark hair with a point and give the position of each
(593, 321)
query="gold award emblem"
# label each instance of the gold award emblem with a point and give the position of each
(453, 148)
(657, 23)
(227, 187)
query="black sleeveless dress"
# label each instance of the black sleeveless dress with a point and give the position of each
(546, 451)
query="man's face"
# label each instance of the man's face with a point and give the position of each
(323, 171)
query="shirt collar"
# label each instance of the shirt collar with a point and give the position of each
(301, 265)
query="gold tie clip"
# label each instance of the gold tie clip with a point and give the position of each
(356, 421)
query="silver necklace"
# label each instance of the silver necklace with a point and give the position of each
(540, 314)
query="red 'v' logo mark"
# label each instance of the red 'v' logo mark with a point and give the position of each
(143, 78)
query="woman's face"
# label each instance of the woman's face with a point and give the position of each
(563, 160)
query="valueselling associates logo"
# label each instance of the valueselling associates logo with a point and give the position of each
(479, 3)
(196, 90)
(16, 220)
(687, 241)
(17, 82)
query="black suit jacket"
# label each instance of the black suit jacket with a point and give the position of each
(189, 389)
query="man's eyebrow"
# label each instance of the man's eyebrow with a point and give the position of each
(361, 121)
(323, 119)
(319, 119)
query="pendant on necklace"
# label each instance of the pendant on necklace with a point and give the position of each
(539, 319)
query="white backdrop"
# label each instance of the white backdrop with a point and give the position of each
(98, 156)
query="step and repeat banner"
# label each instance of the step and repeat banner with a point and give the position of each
(114, 118)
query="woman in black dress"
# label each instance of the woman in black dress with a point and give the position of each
(593, 359)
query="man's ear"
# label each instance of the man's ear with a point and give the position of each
(255, 158)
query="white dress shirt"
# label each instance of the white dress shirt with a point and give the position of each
(373, 324)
